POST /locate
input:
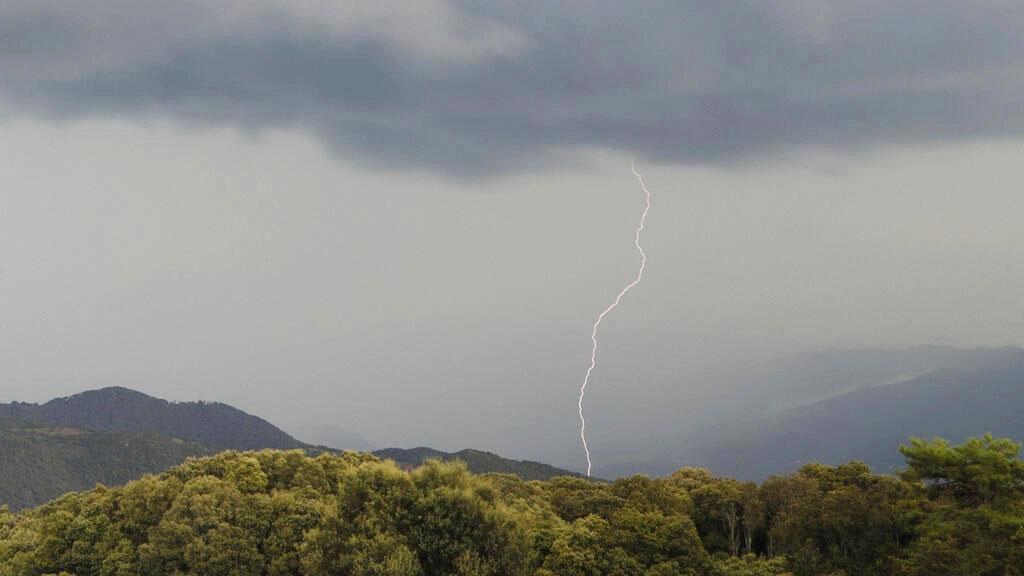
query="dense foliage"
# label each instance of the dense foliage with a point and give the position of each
(955, 510)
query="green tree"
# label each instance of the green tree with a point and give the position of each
(574, 498)
(582, 550)
(979, 471)
(975, 517)
(459, 516)
(956, 510)
(750, 565)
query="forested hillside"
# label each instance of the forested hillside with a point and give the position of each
(955, 511)
(114, 435)
(223, 427)
(38, 463)
(115, 409)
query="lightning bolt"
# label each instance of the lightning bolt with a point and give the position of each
(618, 299)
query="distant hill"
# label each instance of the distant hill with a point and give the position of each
(793, 381)
(477, 461)
(113, 435)
(116, 409)
(38, 463)
(868, 424)
(223, 427)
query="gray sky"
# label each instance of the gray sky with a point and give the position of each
(403, 220)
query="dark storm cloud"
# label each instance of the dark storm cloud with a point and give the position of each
(693, 81)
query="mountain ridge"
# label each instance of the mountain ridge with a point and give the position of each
(757, 395)
(119, 409)
(478, 461)
(115, 434)
(869, 423)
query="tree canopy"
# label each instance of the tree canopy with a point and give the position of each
(955, 510)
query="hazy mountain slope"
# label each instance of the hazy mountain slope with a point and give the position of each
(39, 463)
(330, 436)
(477, 461)
(868, 424)
(797, 380)
(725, 405)
(117, 409)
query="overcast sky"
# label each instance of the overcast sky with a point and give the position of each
(402, 218)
